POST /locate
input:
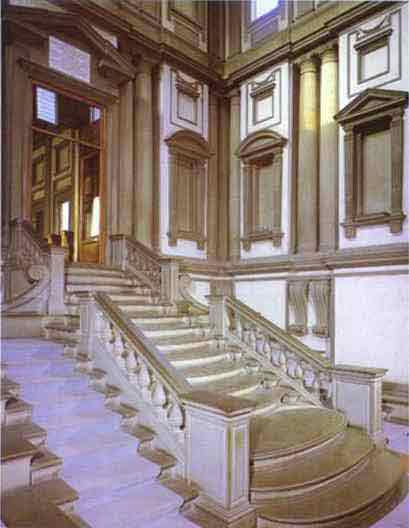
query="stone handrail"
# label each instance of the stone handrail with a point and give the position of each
(147, 372)
(158, 272)
(42, 289)
(308, 370)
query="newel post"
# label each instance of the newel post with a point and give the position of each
(218, 314)
(169, 283)
(88, 324)
(357, 391)
(56, 304)
(119, 251)
(218, 455)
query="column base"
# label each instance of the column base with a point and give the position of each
(243, 516)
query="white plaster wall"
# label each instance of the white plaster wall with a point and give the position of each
(184, 248)
(201, 289)
(282, 100)
(371, 323)
(265, 296)
(372, 235)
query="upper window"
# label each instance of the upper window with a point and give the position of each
(46, 105)
(261, 7)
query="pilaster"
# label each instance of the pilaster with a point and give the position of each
(126, 169)
(234, 184)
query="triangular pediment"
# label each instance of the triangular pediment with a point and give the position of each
(369, 101)
(68, 26)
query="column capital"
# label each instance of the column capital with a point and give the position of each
(144, 65)
(328, 53)
(307, 64)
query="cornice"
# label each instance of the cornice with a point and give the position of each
(363, 257)
(299, 38)
(140, 36)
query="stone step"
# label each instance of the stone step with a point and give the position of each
(240, 385)
(73, 279)
(17, 411)
(303, 473)
(28, 431)
(222, 370)
(206, 356)
(354, 501)
(42, 503)
(103, 473)
(271, 438)
(170, 323)
(103, 287)
(158, 456)
(174, 344)
(93, 270)
(45, 465)
(160, 334)
(133, 507)
(268, 399)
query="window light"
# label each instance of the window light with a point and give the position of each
(46, 105)
(261, 7)
(65, 216)
(95, 217)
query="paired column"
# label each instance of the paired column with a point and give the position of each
(317, 208)
(143, 190)
(234, 186)
(307, 188)
(328, 151)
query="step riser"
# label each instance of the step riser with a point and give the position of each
(213, 377)
(180, 332)
(40, 475)
(16, 473)
(18, 417)
(197, 361)
(182, 346)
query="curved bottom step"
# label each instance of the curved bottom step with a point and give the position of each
(357, 501)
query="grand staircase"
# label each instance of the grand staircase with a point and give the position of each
(308, 466)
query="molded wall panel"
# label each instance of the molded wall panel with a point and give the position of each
(371, 322)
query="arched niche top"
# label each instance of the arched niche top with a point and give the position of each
(190, 144)
(261, 144)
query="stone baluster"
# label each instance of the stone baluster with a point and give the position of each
(131, 364)
(159, 399)
(144, 381)
(266, 350)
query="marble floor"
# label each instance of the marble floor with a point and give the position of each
(398, 436)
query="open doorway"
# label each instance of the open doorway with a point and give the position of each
(66, 178)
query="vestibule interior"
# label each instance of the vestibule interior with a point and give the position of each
(66, 176)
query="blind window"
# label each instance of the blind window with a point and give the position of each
(69, 60)
(46, 105)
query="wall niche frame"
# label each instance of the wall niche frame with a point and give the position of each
(373, 111)
(261, 155)
(189, 154)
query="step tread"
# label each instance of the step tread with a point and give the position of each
(225, 367)
(382, 474)
(239, 384)
(181, 487)
(336, 458)
(15, 406)
(159, 457)
(270, 435)
(28, 430)
(143, 434)
(14, 447)
(45, 458)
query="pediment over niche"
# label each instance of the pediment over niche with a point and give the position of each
(372, 101)
(36, 25)
(190, 143)
(261, 144)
